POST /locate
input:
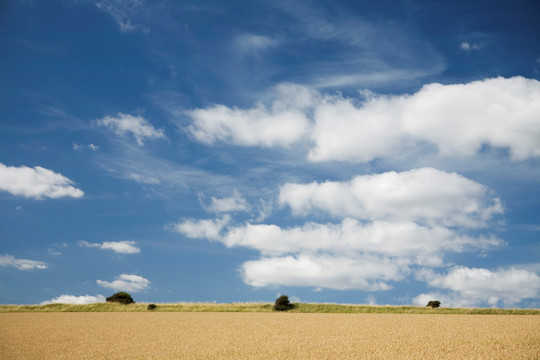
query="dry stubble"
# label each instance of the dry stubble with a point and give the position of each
(267, 336)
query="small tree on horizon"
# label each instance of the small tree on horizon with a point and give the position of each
(434, 304)
(282, 303)
(121, 297)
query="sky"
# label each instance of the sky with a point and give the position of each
(344, 152)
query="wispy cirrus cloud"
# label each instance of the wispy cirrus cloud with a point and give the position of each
(21, 264)
(123, 11)
(367, 55)
(253, 44)
(36, 182)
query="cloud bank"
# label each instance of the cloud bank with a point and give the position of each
(457, 120)
(392, 225)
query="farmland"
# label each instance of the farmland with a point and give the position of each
(266, 335)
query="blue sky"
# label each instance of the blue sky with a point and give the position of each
(347, 151)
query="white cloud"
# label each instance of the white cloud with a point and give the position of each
(236, 202)
(423, 195)
(250, 43)
(309, 251)
(423, 299)
(137, 126)
(205, 229)
(56, 248)
(36, 182)
(424, 245)
(475, 286)
(21, 264)
(465, 46)
(120, 247)
(391, 221)
(80, 147)
(76, 300)
(334, 272)
(457, 120)
(281, 125)
(121, 10)
(126, 282)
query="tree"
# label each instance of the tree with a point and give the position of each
(433, 304)
(282, 303)
(121, 297)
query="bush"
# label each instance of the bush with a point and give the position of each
(121, 297)
(433, 304)
(151, 307)
(282, 303)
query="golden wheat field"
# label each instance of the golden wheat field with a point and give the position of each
(267, 336)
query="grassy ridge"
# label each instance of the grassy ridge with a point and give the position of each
(262, 307)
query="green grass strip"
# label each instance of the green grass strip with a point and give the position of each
(263, 307)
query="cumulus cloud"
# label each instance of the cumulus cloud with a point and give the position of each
(202, 229)
(120, 247)
(404, 239)
(334, 255)
(236, 202)
(76, 300)
(137, 126)
(283, 124)
(36, 182)
(21, 264)
(334, 272)
(423, 195)
(391, 221)
(126, 282)
(457, 120)
(474, 286)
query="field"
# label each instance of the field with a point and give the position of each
(266, 335)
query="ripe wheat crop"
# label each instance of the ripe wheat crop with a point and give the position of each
(161, 335)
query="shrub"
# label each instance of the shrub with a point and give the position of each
(121, 297)
(433, 304)
(151, 307)
(282, 303)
